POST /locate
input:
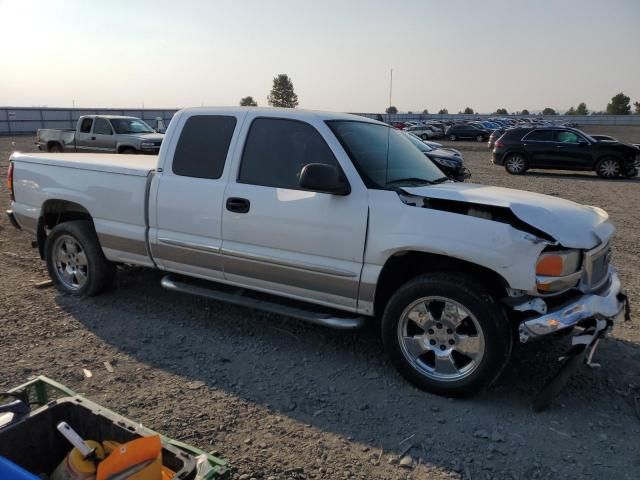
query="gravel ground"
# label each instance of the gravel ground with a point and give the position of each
(282, 399)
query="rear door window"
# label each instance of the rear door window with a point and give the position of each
(540, 136)
(203, 146)
(85, 126)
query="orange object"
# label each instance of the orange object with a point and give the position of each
(550, 265)
(139, 459)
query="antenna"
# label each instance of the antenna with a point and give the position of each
(391, 87)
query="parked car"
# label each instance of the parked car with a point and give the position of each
(333, 219)
(451, 163)
(424, 131)
(561, 148)
(495, 135)
(457, 132)
(102, 133)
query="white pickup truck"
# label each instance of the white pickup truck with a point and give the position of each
(333, 219)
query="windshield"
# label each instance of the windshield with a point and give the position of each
(383, 155)
(130, 125)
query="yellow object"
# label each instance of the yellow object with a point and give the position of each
(74, 467)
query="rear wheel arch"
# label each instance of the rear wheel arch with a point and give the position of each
(55, 212)
(404, 266)
(54, 146)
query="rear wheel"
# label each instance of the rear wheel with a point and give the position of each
(479, 138)
(516, 164)
(608, 168)
(446, 335)
(55, 148)
(75, 260)
(424, 136)
(452, 137)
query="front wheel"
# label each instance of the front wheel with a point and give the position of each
(446, 335)
(608, 168)
(452, 138)
(75, 260)
(424, 136)
(479, 138)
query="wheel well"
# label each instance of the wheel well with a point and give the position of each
(122, 148)
(50, 143)
(404, 266)
(55, 212)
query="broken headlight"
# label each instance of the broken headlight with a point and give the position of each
(557, 271)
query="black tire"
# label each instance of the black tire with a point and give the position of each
(516, 164)
(479, 138)
(631, 173)
(128, 151)
(55, 148)
(424, 136)
(609, 167)
(452, 137)
(496, 332)
(99, 273)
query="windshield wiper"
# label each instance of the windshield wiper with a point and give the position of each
(440, 180)
(411, 180)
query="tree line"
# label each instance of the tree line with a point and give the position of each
(620, 105)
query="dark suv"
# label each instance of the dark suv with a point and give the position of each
(564, 149)
(456, 132)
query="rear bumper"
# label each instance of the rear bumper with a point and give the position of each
(497, 158)
(611, 304)
(12, 219)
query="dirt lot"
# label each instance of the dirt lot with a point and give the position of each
(282, 399)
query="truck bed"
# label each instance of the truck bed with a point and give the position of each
(137, 165)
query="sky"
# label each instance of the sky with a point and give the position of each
(484, 54)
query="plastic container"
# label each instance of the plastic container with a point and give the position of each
(35, 444)
(11, 471)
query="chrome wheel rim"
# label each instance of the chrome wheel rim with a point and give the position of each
(70, 262)
(479, 138)
(609, 168)
(515, 164)
(441, 338)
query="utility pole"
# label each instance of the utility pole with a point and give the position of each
(391, 88)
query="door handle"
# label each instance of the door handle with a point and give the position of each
(238, 205)
(93, 138)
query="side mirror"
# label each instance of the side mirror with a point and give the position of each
(320, 177)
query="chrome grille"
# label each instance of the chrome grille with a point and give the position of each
(597, 266)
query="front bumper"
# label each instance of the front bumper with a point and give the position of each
(12, 219)
(611, 304)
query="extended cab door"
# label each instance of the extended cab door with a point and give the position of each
(185, 222)
(83, 134)
(280, 238)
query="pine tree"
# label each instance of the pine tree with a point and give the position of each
(282, 93)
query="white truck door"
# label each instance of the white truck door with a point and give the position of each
(186, 233)
(280, 238)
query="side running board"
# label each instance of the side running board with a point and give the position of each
(262, 301)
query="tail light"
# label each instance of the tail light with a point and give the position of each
(499, 144)
(12, 197)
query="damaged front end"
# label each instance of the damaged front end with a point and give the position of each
(574, 288)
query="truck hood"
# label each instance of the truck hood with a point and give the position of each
(569, 223)
(146, 137)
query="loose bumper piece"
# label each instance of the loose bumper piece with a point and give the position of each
(610, 305)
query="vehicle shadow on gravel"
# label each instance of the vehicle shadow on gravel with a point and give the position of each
(338, 382)
(579, 176)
